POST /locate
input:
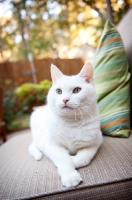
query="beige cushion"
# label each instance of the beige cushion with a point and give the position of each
(23, 177)
(125, 29)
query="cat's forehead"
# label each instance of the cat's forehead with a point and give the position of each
(69, 81)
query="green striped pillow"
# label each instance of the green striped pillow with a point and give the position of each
(111, 79)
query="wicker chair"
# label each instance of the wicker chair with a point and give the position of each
(2, 123)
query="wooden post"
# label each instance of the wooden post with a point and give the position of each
(33, 71)
(109, 11)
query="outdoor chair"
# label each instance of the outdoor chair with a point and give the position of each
(2, 123)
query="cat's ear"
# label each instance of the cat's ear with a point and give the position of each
(87, 72)
(55, 73)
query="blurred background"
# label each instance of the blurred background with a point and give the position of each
(36, 33)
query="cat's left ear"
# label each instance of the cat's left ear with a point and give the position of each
(55, 73)
(87, 72)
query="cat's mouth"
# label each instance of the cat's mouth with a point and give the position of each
(67, 107)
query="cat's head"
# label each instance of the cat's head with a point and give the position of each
(72, 94)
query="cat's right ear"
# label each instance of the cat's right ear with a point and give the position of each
(87, 72)
(55, 73)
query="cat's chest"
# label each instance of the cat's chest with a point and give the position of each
(75, 137)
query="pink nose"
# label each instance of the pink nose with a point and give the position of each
(65, 100)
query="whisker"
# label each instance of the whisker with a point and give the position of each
(91, 100)
(75, 117)
(87, 108)
(81, 115)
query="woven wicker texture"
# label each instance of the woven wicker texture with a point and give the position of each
(23, 177)
(114, 191)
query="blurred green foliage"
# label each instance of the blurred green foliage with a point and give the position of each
(30, 88)
(20, 102)
(11, 107)
(43, 27)
(32, 95)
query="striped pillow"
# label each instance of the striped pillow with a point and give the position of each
(111, 79)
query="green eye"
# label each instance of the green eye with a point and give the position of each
(76, 90)
(58, 91)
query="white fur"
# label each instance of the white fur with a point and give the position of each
(69, 136)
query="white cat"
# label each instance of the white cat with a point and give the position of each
(67, 129)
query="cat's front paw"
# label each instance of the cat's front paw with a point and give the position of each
(34, 152)
(71, 179)
(38, 156)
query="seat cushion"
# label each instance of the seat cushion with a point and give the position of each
(109, 174)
